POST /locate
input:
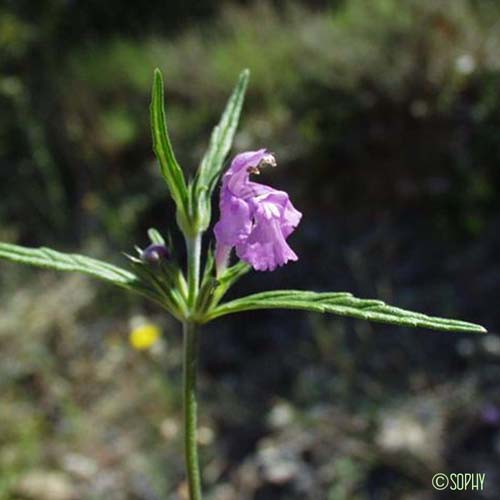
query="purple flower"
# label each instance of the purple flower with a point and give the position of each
(254, 219)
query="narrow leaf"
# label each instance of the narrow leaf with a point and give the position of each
(162, 146)
(208, 270)
(227, 280)
(155, 236)
(50, 259)
(342, 304)
(222, 136)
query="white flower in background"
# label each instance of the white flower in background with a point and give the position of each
(465, 64)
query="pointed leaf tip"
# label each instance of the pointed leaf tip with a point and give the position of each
(219, 146)
(162, 147)
(342, 304)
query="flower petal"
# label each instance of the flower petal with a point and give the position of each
(266, 247)
(238, 174)
(235, 222)
(288, 214)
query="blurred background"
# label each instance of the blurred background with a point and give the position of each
(385, 119)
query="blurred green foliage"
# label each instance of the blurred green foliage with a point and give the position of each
(367, 82)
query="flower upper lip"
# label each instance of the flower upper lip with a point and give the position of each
(267, 161)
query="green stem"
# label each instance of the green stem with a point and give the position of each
(190, 410)
(190, 362)
(193, 247)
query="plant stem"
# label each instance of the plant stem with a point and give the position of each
(190, 366)
(193, 247)
(190, 409)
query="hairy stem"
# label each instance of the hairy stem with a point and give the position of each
(193, 247)
(190, 365)
(190, 410)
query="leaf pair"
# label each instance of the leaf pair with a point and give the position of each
(193, 200)
(148, 284)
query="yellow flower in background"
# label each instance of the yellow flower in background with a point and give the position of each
(144, 336)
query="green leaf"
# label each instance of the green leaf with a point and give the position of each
(212, 289)
(209, 269)
(155, 236)
(205, 296)
(223, 134)
(342, 304)
(165, 284)
(230, 276)
(50, 259)
(150, 285)
(170, 169)
(219, 146)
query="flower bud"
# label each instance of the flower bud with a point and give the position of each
(155, 253)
